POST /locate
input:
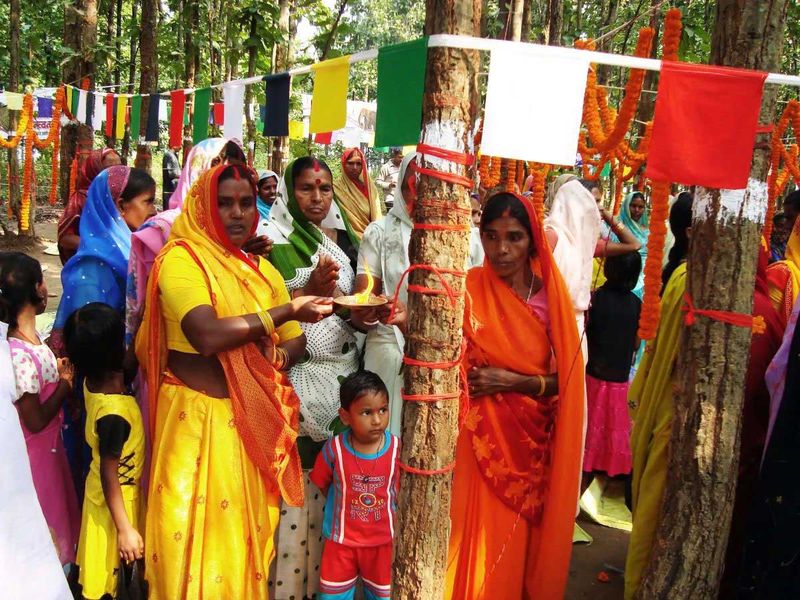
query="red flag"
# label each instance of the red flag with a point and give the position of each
(323, 138)
(109, 115)
(705, 125)
(219, 113)
(178, 98)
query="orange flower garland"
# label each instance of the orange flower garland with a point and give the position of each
(779, 177)
(73, 175)
(651, 305)
(22, 126)
(539, 172)
(511, 175)
(673, 26)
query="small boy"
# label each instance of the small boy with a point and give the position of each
(359, 467)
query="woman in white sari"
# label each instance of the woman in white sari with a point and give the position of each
(314, 248)
(384, 250)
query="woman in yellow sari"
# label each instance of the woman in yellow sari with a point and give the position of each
(518, 459)
(783, 277)
(218, 331)
(356, 193)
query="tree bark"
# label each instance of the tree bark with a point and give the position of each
(517, 10)
(191, 50)
(148, 79)
(131, 136)
(554, 21)
(691, 539)
(450, 105)
(80, 36)
(283, 59)
(248, 96)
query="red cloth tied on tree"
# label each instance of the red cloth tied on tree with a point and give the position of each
(705, 125)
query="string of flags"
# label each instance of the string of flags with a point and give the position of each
(704, 127)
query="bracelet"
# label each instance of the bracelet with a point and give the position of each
(542, 385)
(266, 322)
(280, 358)
(619, 226)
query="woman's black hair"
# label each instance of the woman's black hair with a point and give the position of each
(680, 219)
(622, 271)
(94, 336)
(308, 162)
(591, 184)
(502, 203)
(234, 151)
(638, 195)
(139, 182)
(20, 274)
(239, 171)
(357, 384)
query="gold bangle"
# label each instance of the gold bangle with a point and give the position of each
(542, 385)
(281, 358)
(266, 322)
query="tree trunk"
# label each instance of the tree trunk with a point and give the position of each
(517, 9)
(603, 71)
(430, 429)
(692, 535)
(647, 104)
(252, 52)
(526, 21)
(553, 22)
(191, 50)
(283, 59)
(131, 136)
(148, 80)
(80, 36)
(13, 116)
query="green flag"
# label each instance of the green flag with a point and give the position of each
(202, 107)
(401, 82)
(74, 104)
(136, 117)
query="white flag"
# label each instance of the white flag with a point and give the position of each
(534, 103)
(233, 97)
(99, 112)
(81, 116)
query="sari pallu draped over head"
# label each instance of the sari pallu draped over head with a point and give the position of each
(70, 218)
(265, 407)
(528, 450)
(784, 277)
(358, 198)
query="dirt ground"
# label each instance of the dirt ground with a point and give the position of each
(605, 553)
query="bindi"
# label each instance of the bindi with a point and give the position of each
(318, 181)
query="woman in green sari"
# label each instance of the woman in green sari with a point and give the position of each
(314, 248)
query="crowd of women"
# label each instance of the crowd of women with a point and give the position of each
(209, 354)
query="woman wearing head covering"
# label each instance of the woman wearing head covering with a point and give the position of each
(784, 277)
(518, 458)
(315, 252)
(218, 330)
(384, 251)
(69, 223)
(635, 218)
(267, 192)
(356, 193)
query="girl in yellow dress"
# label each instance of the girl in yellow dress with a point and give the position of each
(219, 332)
(112, 511)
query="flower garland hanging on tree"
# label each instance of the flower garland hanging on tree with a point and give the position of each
(783, 161)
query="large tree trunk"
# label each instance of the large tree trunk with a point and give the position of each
(692, 535)
(282, 60)
(148, 80)
(430, 430)
(248, 95)
(130, 135)
(13, 116)
(80, 36)
(553, 23)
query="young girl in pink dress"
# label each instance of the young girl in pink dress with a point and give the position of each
(42, 384)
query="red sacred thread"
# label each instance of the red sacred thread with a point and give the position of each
(756, 323)
(446, 177)
(430, 397)
(428, 472)
(441, 227)
(457, 157)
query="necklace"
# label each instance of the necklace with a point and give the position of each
(23, 337)
(365, 477)
(530, 289)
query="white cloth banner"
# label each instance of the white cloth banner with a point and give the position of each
(99, 112)
(233, 97)
(81, 116)
(534, 104)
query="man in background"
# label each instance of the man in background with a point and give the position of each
(387, 178)
(170, 173)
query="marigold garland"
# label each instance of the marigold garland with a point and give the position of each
(673, 26)
(511, 175)
(783, 162)
(539, 172)
(22, 126)
(651, 305)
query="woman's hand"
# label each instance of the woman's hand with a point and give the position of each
(364, 316)
(484, 381)
(311, 309)
(260, 246)
(65, 370)
(400, 317)
(131, 544)
(323, 278)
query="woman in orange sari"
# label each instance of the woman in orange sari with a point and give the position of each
(518, 459)
(219, 332)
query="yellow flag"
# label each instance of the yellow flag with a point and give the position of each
(122, 105)
(14, 101)
(296, 130)
(329, 101)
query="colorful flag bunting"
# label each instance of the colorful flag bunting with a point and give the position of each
(276, 112)
(329, 100)
(202, 106)
(90, 101)
(74, 101)
(323, 138)
(45, 107)
(704, 125)
(14, 101)
(81, 113)
(121, 109)
(296, 130)
(136, 118)
(109, 115)
(233, 99)
(219, 114)
(99, 112)
(401, 83)
(178, 98)
(68, 98)
(535, 115)
(153, 109)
